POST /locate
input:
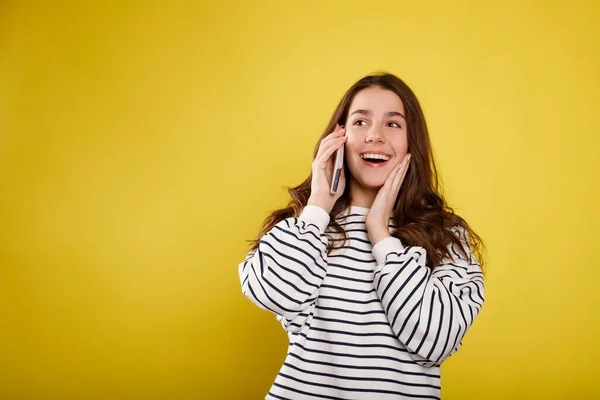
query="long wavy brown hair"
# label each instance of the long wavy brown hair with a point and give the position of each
(421, 216)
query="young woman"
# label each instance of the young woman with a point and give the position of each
(377, 284)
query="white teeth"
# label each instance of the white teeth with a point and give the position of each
(375, 156)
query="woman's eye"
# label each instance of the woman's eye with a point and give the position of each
(394, 125)
(360, 122)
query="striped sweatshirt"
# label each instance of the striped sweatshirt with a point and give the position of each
(363, 322)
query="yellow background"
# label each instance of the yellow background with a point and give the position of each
(141, 144)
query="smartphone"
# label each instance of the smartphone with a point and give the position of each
(338, 164)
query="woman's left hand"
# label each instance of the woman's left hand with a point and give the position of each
(379, 215)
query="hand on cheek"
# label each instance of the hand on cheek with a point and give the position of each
(383, 205)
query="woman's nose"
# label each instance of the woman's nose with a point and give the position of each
(374, 135)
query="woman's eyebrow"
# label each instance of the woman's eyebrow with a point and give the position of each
(370, 113)
(394, 114)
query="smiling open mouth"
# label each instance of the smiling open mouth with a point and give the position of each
(375, 158)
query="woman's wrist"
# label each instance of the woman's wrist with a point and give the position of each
(322, 202)
(377, 234)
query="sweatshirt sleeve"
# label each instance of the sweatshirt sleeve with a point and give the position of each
(430, 312)
(284, 273)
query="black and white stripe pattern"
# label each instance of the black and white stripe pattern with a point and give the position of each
(363, 322)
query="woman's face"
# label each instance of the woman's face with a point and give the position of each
(377, 136)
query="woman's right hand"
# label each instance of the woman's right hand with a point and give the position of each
(322, 171)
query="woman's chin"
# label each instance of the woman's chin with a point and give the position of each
(374, 186)
(371, 184)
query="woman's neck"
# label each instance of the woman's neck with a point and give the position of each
(362, 196)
